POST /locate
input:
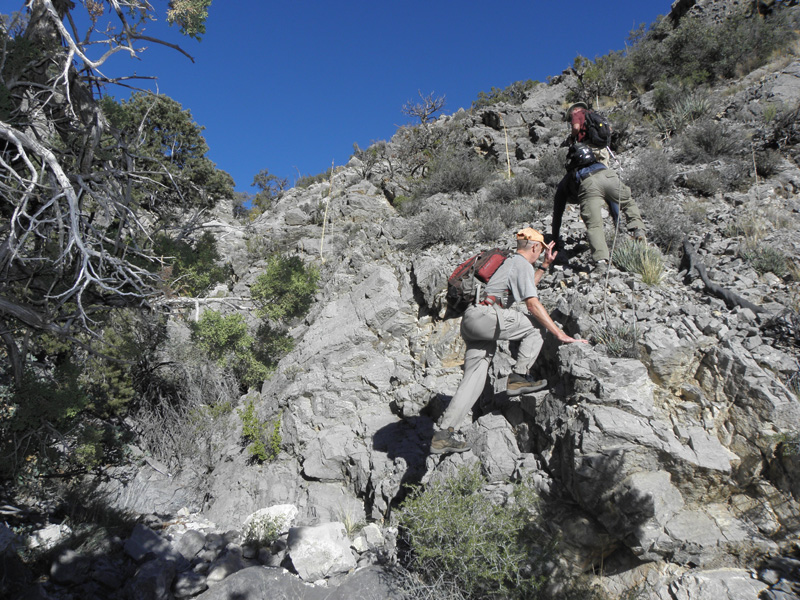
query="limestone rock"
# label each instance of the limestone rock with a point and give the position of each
(320, 551)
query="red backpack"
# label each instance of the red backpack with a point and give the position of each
(462, 286)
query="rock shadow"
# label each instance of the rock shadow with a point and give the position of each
(408, 440)
(598, 507)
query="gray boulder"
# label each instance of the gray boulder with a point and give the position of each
(320, 551)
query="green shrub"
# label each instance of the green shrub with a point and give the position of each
(455, 170)
(263, 439)
(48, 403)
(226, 340)
(766, 259)
(286, 288)
(706, 182)
(508, 190)
(668, 224)
(190, 269)
(767, 162)
(701, 51)
(707, 140)
(639, 257)
(652, 175)
(549, 170)
(665, 94)
(459, 536)
(401, 203)
(270, 189)
(436, 226)
(600, 77)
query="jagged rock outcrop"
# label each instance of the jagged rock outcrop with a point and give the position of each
(675, 469)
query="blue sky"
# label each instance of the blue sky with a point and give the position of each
(290, 86)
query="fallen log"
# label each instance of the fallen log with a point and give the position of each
(692, 262)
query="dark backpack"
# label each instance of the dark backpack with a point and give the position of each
(462, 285)
(597, 128)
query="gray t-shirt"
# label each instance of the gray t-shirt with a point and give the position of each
(513, 281)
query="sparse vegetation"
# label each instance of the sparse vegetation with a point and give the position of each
(678, 106)
(508, 190)
(270, 189)
(707, 140)
(668, 224)
(513, 94)
(705, 183)
(369, 158)
(748, 225)
(697, 211)
(436, 226)
(549, 170)
(455, 170)
(653, 175)
(425, 110)
(494, 219)
(767, 162)
(263, 531)
(183, 407)
(600, 77)
(766, 259)
(306, 181)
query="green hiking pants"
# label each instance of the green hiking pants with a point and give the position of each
(595, 191)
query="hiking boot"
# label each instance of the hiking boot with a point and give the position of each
(639, 235)
(600, 268)
(444, 442)
(519, 384)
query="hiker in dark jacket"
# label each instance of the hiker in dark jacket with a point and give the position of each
(576, 117)
(494, 319)
(591, 184)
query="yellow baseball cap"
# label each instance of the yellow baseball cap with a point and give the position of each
(530, 234)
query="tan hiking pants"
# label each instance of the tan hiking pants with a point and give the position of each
(481, 327)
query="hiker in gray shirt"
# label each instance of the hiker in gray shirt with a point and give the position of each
(493, 319)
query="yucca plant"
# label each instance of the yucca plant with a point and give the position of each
(621, 341)
(638, 257)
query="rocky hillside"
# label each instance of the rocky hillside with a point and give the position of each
(665, 453)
